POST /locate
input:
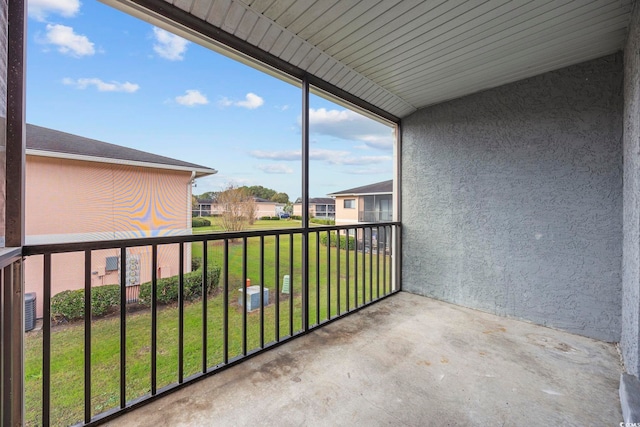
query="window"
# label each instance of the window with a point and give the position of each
(350, 204)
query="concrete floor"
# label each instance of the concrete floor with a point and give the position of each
(408, 361)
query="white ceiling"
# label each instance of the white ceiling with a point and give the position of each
(401, 55)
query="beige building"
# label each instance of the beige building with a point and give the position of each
(264, 207)
(319, 207)
(79, 189)
(369, 203)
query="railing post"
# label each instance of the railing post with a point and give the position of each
(305, 204)
(12, 348)
(13, 288)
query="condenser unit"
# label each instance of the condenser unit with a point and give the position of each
(29, 311)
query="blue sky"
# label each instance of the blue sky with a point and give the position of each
(97, 72)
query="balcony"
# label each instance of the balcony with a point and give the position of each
(517, 186)
(409, 360)
(396, 357)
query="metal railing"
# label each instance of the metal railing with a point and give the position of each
(194, 337)
(374, 216)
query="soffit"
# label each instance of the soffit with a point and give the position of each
(401, 55)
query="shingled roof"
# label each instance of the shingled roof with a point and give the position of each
(52, 143)
(322, 201)
(384, 187)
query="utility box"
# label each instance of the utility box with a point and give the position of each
(251, 295)
(29, 311)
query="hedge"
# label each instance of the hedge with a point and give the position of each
(200, 222)
(323, 221)
(343, 241)
(69, 305)
(270, 218)
(167, 289)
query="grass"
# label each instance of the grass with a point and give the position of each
(67, 366)
(257, 225)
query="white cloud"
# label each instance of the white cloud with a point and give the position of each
(40, 9)
(68, 42)
(277, 155)
(191, 98)
(225, 102)
(349, 125)
(276, 168)
(251, 101)
(102, 86)
(169, 46)
(333, 157)
(369, 171)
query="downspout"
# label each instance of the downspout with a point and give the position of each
(189, 194)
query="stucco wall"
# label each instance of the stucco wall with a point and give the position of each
(70, 199)
(631, 217)
(4, 4)
(512, 199)
(346, 216)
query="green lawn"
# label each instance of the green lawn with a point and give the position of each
(68, 346)
(257, 225)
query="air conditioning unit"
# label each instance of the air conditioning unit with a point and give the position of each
(29, 311)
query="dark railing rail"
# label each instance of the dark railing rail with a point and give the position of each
(343, 275)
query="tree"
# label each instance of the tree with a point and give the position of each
(209, 195)
(261, 192)
(280, 198)
(238, 208)
(288, 208)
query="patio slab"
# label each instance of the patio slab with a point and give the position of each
(412, 361)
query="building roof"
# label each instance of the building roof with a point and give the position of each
(384, 187)
(399, 55)
(261, 200)
(52, 143)
(322, 201)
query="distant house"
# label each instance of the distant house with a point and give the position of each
(264, 207)
(319, 207)
(369, 203)
(82, 189)
(204, 207)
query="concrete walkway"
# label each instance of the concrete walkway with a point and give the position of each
(408, 361)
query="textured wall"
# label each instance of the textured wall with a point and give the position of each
(4, 6)
(631, 217)
(512, 199)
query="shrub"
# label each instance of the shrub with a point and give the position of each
(270, 218)
(69, 305)
(200, 222)
(343, 241)
(322, 221)
(196, 263)
(296, 217)
(104, 298)
(167, 289)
